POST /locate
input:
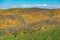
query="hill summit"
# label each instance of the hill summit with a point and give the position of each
(28, 19)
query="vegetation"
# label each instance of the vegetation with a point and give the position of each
(29, 24)
(48, 34)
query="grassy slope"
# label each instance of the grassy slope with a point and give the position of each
(48, 34)
(30, 24)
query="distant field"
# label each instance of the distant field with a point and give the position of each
(30, 24)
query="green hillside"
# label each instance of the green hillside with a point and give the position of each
(30, 24)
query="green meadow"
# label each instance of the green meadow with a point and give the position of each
(52, 33)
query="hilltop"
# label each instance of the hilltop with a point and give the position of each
(28, 19)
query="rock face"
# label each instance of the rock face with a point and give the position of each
(28, 19)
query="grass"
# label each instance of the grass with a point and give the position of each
(48, 34)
